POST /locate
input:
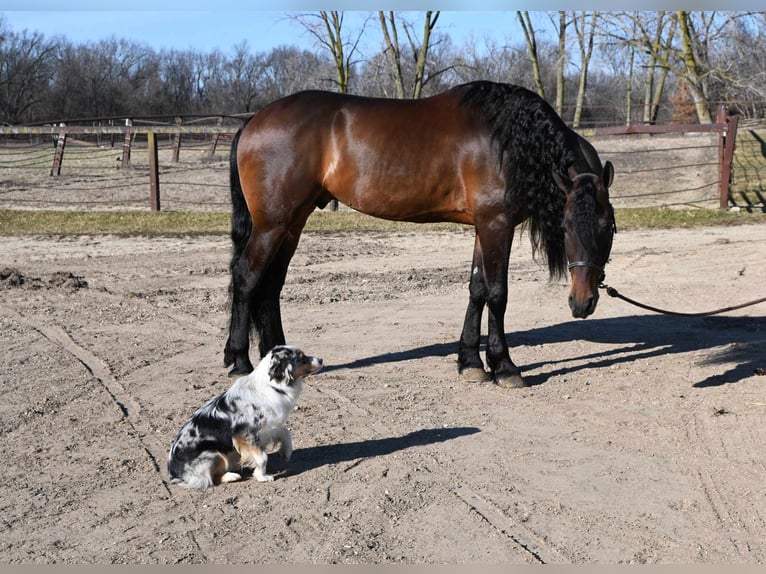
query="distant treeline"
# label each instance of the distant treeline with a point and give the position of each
(596, 68)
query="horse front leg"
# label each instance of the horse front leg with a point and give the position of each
(496, 248)
(468, 359)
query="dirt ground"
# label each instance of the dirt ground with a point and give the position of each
(641, 438)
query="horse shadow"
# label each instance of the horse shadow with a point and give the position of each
(638, 337)
(306, 459)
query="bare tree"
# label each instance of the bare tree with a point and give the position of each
(745, 50)
(585, 28)
(418, 49)
(683, 44)
(649, 36)
(26, 68)
(529, 35)
(243, 71)
(392, 50)
(561, 61)
(327, 28)
(694, 59)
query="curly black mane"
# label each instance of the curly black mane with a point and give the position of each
(532, 141)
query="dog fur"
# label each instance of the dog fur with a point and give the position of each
(234, 429)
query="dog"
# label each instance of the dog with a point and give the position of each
(234, 429)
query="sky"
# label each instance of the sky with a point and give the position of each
(206, 30)
(191, 24)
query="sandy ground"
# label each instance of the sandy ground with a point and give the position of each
(641, 438)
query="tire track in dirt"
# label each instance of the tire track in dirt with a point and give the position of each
(525, 542)
(745, 529)
(129, 407)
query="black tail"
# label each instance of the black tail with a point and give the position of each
(241, 223)
(241, 226)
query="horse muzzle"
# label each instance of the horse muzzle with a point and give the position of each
(584, 295)
(583, 307)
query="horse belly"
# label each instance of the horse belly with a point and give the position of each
(390, 188)
(399, 199)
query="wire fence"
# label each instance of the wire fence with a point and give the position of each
(652, 170)
(93, 174)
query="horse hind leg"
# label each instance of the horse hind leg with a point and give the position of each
(470, 365)
(247, 273)
(264, 305)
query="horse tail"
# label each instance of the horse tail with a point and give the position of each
(241, 222)
(241, 228)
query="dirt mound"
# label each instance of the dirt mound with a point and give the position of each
(11, 277)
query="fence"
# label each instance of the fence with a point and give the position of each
(701, 156)
(724, 130)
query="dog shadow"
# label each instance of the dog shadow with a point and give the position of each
(306, 459)
(637, 337)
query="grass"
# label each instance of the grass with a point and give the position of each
(175, 223)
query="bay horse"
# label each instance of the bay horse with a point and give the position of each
(484, 154)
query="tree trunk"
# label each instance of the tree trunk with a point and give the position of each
(693, 76)
(561, 63)
(529, 35)
(585, 41)
(393, 53)
(420, 62)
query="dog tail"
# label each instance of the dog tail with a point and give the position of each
(191, 474)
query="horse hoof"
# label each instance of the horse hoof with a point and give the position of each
(510, 382)
(476, 375)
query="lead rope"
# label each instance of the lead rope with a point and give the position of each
(612, 292)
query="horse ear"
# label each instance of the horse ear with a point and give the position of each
(564, 183)
(607, 174)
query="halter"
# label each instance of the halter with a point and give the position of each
(589, 265)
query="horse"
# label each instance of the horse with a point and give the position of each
(484, 154)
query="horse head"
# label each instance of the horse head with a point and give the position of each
(589, 227)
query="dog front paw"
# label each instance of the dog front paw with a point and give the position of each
(265, 478)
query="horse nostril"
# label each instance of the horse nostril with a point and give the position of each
(590, 305)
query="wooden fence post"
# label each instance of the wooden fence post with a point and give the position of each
(727, 139)
(154, 171)
(126, 144)
(216, 137)
(177, 141)
(58, 157)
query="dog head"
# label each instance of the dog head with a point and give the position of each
(288, 364)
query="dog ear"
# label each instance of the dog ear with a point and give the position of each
(280, 367)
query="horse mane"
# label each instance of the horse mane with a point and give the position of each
(531, 141)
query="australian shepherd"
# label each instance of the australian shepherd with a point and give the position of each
(233, 430)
